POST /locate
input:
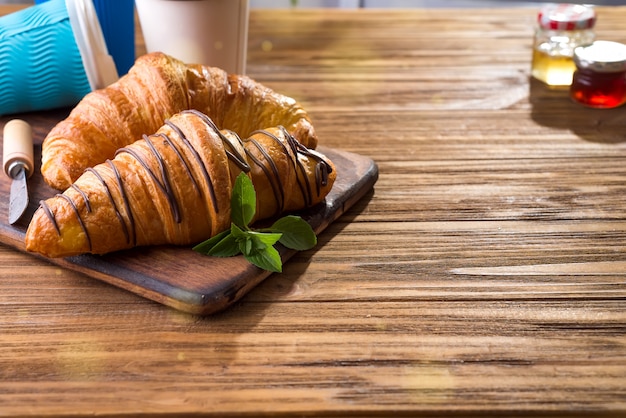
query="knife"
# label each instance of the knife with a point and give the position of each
(18, 164)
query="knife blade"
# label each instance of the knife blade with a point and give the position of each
(18, 164)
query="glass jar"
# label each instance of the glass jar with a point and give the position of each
(600, 76)
(560, 29)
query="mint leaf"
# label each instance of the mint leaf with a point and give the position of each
(297, 234)
(268, 259)
(243, 201)
(257, 246)
(226, 247)
(238, 232)
(263, 240)
(252, 242)
(205, 246)
(242, 239)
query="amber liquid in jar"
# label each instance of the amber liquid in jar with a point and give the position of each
(600, 77)
(554, 70)
(561, 28)
(600, 90)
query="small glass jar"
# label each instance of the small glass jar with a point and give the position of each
(600, 76)
(560, 29)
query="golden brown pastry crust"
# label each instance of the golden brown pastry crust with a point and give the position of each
(157, 87)
(174, 187)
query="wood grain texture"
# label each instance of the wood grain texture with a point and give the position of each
(485, 275)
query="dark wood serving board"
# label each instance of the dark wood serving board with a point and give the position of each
(178, 276)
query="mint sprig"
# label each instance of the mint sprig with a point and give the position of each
(257, 245)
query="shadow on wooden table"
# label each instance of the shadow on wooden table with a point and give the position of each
(286, 285)
(554, 108)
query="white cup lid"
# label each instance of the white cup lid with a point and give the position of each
(99, 65)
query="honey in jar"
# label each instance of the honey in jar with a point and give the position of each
(600, 77)
(561, 28)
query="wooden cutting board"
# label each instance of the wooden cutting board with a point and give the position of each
(177, 276)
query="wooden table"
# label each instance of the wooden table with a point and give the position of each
(486, 272)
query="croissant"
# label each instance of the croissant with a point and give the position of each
(157, 87)
(174, 187)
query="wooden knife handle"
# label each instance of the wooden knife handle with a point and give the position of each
(17, 147)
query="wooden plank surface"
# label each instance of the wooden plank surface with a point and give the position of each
(484, 276)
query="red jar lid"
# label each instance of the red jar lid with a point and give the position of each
(565, 16)
(601, 57)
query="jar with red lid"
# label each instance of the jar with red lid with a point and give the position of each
(561, 28)
(600, 76)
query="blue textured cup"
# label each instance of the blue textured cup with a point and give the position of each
(51, 55)
(40, 64)
(117, 20)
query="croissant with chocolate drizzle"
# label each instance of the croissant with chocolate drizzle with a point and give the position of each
(157, 87)
(174, 187)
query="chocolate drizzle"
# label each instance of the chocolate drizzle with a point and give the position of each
(271, 173)
(322, 168)
(164, 182)
(43, 205)
(232, 153)
(84, 196)
(169, 142)
(129, 212)
(291, 148)
(108, 193)
(196, 156)
(80, 220)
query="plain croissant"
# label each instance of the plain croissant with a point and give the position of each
(157, 87)
(174, 187)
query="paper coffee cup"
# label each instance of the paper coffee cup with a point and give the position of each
(209, 32)
(117, 21)
(51, 55)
